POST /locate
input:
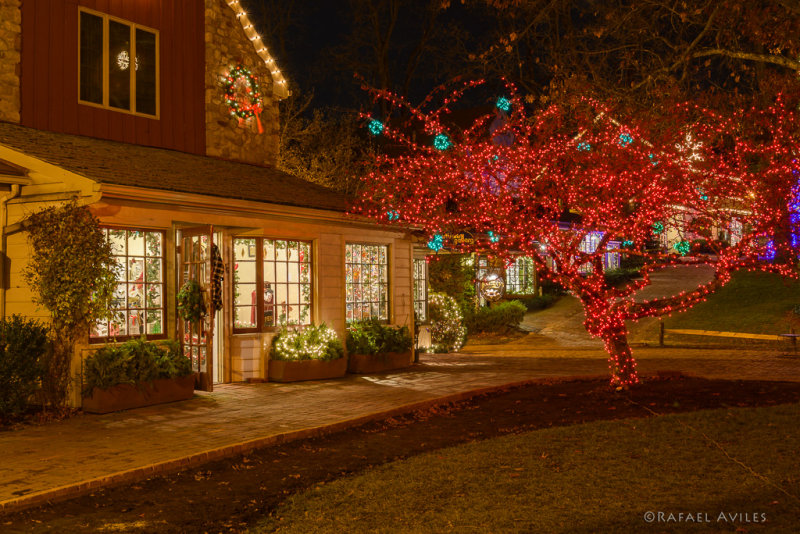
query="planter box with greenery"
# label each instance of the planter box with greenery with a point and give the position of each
(374, 347)
(312, 353)
(134, 374)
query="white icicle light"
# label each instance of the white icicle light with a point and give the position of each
(279, 88)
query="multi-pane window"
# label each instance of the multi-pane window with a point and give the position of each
(366, 281)
(282, 270)
(520, 277)
(138, 301)
(118, 64)
(421, 290)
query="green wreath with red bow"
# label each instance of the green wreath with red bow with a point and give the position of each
(242, 94)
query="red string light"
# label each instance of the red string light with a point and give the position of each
(621, 173)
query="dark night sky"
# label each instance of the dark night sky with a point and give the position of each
(319, 30)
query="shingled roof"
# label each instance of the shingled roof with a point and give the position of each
(110, 162)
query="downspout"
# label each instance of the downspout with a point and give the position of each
(15, 189)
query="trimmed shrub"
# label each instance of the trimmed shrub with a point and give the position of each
(310, 343)
(497, 318)
(550, 287)
(370, 336)
(618, 277)
(447, 328)
(538, 302)
(23, 349)
(454, 275)
(132, 362)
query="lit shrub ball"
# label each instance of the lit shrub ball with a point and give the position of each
(447, 324)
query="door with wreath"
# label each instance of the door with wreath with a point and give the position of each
(196, 307)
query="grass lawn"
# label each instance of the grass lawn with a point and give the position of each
(595, 477)
(755, 303)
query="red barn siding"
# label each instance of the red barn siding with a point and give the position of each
(49, 85)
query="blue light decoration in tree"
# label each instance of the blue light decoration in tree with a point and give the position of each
(653, 159)
(682, 247)
(393, 215)
(493, 237)
(375, 127)
(584, 146)
(625, 139)
(702, 194)
(627, 243)
(769, 251)
(658, 227)
(794, 208)
(436, 242)
(503, 104)
(794, 219)
(442, 142)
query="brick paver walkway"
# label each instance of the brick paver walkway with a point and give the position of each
(73, 456)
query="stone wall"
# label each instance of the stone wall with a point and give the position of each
(226, 136)
(10, 58)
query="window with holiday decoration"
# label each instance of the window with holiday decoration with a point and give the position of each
(126, 80)
(520, 277)
(589, 246)
(138, 302)
(282, 269)
(366, 282)
(421, 290)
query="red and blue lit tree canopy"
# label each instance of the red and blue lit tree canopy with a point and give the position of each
(630, 180)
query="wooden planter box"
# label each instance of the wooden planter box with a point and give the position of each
(129, 396)
(378, 363)
(298, 370)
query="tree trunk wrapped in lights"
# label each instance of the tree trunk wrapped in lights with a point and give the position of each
(510, 178)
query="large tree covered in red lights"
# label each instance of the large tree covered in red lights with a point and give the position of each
(511, 176)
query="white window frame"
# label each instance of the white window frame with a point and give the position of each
(386, 286)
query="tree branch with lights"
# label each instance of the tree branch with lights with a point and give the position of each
(512, 177)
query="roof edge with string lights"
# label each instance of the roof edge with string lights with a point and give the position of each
(279, 86)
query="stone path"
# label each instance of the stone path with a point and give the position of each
(73, 456)
(563, 322)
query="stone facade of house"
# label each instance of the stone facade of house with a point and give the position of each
(227, 137)
(10, 58)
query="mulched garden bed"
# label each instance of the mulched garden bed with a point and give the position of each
(229, 495)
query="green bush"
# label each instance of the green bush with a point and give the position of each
(497, 318)
(549, 287)
(454, 275)
(310, 343)
(538, 302)
(370, 336)
(133, 362)
(447, 328)
(632, 261)
(24, 348)
(621, 276)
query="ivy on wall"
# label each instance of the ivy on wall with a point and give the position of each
(73, 275)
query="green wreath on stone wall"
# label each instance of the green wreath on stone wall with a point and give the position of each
(242, 94)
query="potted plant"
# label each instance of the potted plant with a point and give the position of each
(310, 353)
(373, 347)
(134, 374)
